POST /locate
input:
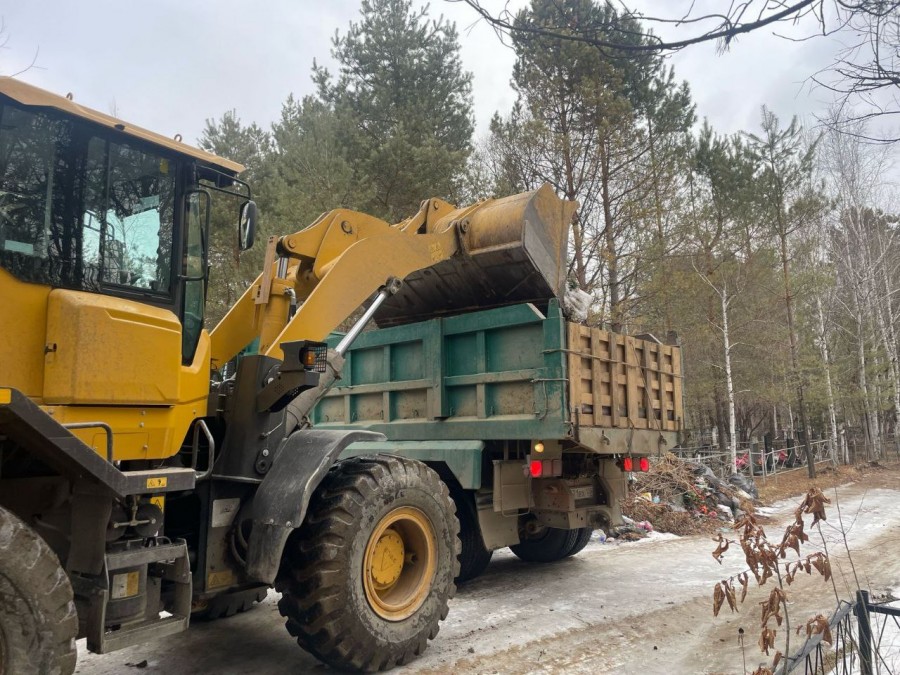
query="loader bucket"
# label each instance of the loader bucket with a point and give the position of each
(512, 250)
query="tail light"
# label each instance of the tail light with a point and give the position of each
(644, 463)
(627, 464)
(545, 468)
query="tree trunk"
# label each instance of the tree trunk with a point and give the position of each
(795, 355)
(572, 194)
(829, 391)
(889, 339)
(610, 255)
(729, 382)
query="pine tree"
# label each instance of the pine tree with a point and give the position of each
(403, 105)
(600, 128)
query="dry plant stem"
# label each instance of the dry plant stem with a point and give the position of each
(837, 596)
(787, 616)
(837, 506)
(743, 651)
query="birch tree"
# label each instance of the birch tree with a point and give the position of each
(789, 201)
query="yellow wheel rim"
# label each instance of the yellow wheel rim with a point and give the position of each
(400, 563)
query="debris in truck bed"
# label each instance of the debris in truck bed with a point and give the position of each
(683, 497)
(577, 305)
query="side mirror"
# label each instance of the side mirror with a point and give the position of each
(247, 225)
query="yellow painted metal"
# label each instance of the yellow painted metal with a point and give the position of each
(220, 579)
(23, 315)
(370, 252)
(399, 563)
(387, 560)
(5, 396)
(102, 349)
(357, 273)
(87, 357)
(339, 261)
(115, 361)
(238, 328)
(144, 431)
(275, 313)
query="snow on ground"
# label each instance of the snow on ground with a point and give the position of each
(618, 607)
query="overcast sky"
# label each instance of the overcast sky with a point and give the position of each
(170, 64)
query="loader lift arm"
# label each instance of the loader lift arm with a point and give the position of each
(330, 269)
(333, 266)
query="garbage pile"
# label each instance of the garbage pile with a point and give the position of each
(684, 497)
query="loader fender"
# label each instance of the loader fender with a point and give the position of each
(281, 500)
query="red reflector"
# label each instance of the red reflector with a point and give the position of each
(644, 463)
(627, 464)
(536, 467)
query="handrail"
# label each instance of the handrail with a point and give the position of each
(97, 425)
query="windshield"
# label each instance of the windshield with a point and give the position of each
(81, 211)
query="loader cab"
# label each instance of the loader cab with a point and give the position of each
(90, 204)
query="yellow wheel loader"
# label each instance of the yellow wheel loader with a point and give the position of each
(147, 472)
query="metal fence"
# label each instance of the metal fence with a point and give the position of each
(753, 457)
(865, 639)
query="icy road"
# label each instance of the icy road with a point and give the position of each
(643, 607)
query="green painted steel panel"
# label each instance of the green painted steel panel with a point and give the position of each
(490, 375)
(463, 458)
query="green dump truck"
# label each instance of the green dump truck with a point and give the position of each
(534, 423)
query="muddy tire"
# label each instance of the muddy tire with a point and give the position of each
(229, 604)
(582, 538)
(366, 579)
(474, 556)
(549, 545)
(38, 622)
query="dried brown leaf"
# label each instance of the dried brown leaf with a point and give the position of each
(818, 625)
(730, 597)
(718, 599)
(720, 549)
(767, 640)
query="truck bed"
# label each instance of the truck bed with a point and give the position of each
(510, 373)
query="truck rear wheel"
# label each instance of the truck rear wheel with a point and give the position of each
(582, 538)
(544, 544)
(366, 579)
(38, 621)
(474, 557)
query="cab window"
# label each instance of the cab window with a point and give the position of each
(81, 211)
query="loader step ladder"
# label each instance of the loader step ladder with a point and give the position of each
(169, 562)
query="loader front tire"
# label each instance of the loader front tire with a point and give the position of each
(366, 580)
(38, 621)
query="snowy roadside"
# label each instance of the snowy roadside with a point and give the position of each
(625, 607)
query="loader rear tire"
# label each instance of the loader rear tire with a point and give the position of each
(38, 621)
(366, 580)
(229, 604)
(548, 545)
(582, 538)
